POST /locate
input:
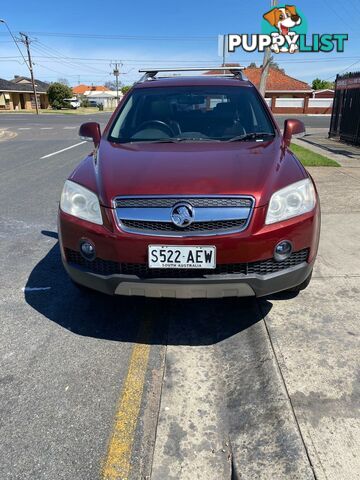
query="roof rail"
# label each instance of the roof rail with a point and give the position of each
(150, 73)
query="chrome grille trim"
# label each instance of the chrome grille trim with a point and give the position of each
(214, 214)
(164, 214)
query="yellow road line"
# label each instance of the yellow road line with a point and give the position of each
(118, 461)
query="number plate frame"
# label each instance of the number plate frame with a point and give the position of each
(184, 250)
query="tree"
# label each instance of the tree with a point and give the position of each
(57, 93)
(319, 84)
(274, 65)
(110, 85)
(125, 89)
(64, 81)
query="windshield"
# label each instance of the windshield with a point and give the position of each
(199, 113)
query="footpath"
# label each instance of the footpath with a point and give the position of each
(316, 140)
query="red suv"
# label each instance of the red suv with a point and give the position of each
(191, 192)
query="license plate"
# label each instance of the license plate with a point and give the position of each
(167, 256)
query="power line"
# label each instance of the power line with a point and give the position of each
(42, 48)
(197, 62)
(14, 39)
(53, 70)
(342, 71)
(127, 37)
(336, 12)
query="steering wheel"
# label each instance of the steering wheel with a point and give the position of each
(158, 124)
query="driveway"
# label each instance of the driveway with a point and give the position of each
(97, 387)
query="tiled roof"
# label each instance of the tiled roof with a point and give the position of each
(276, 80)
(20, 79)
(81, 89)
(11, 86)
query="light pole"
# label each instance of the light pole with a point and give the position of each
(27, 63)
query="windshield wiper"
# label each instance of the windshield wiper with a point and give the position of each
(250, 136)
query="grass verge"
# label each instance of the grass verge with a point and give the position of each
(312, 159)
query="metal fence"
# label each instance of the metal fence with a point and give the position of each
(345, 119)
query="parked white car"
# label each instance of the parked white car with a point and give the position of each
(74, 102)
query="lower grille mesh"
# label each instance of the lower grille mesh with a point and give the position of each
(108, 267)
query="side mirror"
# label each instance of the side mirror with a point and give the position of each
(90, 132)
(292, 128)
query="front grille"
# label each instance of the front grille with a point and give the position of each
(108, 267)
(202, 227)
(211, 215)
(166, 202)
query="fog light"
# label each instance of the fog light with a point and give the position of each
(282, 250)
(87, 250)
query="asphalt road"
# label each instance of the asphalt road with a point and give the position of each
(310, 121)
(98, 387)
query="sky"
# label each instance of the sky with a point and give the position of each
(78, 40)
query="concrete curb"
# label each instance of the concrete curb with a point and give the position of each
(343, 160)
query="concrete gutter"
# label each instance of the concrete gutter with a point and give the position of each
(317, 141)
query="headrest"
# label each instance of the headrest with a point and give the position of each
(160, 109)
(225, 108)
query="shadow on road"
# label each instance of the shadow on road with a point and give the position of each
(204, 322)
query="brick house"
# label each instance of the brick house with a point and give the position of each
(17, 94)
(326, 93)
(285, 94)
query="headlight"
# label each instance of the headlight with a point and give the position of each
(80, 202)
(291, 201)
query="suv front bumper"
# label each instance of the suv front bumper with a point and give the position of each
(218, 286)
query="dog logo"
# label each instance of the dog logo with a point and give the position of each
(284, 19)
(284, 29)
(182, 215)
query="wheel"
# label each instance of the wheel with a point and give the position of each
(302, 285)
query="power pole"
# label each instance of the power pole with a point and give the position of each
(25, 40)
(224, 50)
(266, 63)
(116, 73)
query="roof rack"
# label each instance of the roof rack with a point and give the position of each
(150, 73)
